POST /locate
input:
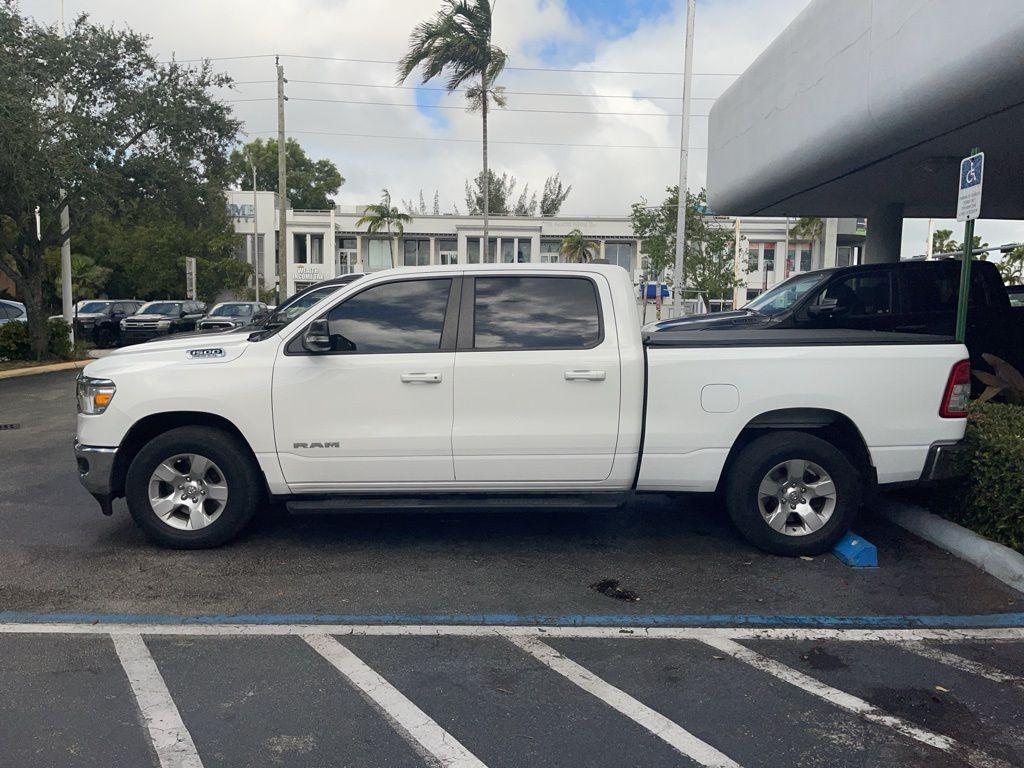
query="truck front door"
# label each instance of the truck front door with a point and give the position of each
(376, 410)
(537, 380)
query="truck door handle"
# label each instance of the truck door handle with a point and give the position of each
(421, 378)
(585, 375)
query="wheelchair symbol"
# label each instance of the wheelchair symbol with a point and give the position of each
(971, 172)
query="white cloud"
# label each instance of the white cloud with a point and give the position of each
(729, 36)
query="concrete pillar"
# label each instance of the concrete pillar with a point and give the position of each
(828, 252)
(535, 248)
(434, 257)
(885, 232)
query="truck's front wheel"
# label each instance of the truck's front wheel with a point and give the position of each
(192, 488)
(791, 493)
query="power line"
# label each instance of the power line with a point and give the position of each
(516, 69)
(475, 141)
(463, 90)
(453, 106)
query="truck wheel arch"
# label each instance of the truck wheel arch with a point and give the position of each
(824, 423)
(148, 427)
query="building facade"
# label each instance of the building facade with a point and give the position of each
(325, 244)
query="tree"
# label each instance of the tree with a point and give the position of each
(554, 195)
(311, 183)
(808, 228)
(943, 242)
(127, 128)
(87, 277)
(500, 190)
(458, 41)
(384, 216)
(1012, 266)
(709, 264)
(575, 247)
(526, 204)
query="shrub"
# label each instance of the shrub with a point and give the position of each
(990, 498)
(14, 343)
(58, 344)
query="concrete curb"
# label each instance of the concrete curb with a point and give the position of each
(1004, 563)
(14, 373)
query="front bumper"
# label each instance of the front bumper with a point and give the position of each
(946, 460)
(131, 335)
(96, 473)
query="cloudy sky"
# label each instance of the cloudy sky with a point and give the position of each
(608, 134)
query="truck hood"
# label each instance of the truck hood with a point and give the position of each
(740, 318)
(199, 349)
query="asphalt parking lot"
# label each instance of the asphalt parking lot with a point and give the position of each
(236, 643)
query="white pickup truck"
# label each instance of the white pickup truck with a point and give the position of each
(518, 384)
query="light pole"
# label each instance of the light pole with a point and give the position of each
(684, 156)
(65, 220)
(255, 229)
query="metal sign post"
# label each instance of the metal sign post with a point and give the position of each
(968, 206)
(190, 277)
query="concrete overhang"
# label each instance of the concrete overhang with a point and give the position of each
(863, 103)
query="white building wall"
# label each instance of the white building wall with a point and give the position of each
(341, 223)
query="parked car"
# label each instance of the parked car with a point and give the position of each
(555, 395)
(1016, 294)
(906, 297)
(299, 302)
(161, 318)
(100, 321)
(12, 311)
(229, 315)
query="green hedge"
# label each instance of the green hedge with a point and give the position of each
(14, 342)
(990, 498)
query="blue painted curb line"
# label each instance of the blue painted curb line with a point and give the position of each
(854, 551)
(991, 620)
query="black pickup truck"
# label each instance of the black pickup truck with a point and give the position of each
(905, 297)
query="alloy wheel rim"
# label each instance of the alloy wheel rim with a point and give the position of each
(796, 497)
(187, 491)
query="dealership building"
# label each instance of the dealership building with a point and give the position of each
(327, 243)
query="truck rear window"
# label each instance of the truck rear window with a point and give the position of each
(536, 313)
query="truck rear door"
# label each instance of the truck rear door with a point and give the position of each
(537, 379)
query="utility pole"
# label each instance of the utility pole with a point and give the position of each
(739, 291)
(65, 220)
(684, 157)
(928, 246)
(282, 191)
(255, 229)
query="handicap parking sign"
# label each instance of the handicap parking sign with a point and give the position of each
(968, 202)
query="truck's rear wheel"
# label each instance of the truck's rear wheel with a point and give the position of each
(192, 488)
(790, 493)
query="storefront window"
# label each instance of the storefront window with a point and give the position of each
(620, 254)
(549, 251)
(378, 254)
(299, 248)
(448, 251)
(416, 253)
(523, 251)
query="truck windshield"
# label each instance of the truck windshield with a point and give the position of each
(94, 306)
(785, 295)
(232, 310)
(160, 308)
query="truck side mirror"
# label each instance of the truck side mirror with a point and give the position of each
(317, 337)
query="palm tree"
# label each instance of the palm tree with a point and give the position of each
(458, 40)
(385, 216)
(809, 228)
(576, 247)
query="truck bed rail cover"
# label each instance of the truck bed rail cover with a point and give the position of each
(786, 337)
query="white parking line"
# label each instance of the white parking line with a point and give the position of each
(476, 630)
(429, 739)
(956, 661)
(170, 739)
(675, 735)
(851, 703)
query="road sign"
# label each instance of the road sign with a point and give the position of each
(968, 201)
(190, 276)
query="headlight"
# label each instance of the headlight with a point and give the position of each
(124, 324)
(163, 324)
(94, 395)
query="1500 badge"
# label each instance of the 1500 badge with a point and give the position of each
(206, 352)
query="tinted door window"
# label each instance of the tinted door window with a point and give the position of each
(399, 317)
(861, 295)
(536, 313)
(5, 312)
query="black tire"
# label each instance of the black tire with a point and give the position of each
(757, 459)
(241, 475)
(105, 338)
